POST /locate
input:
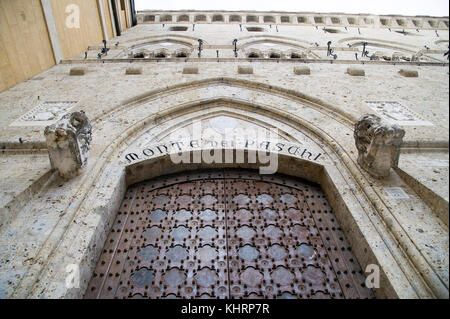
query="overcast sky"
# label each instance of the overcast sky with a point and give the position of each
(403, 7)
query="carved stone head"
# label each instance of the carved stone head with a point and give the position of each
(68, 143)
(378, 144)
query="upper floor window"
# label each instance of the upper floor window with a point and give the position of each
(181, 55)
(384, 21)
(217, 18)
(274, 55)
(235, 18)
(351, 20)
(149, 18)
(335, 20)
(302, 20)
(183, 18)
(433, 23)
(401, 22)
(160, 55)
(166, 18)
(329, 30)
(200, 18)
(178, 28)
(285, 19)
(417, 23)
(318, 19)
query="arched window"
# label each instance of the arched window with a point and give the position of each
(160, 55)
(401, 22)
(252, 19)
(269, 19)
(433, 23)
(253, 55)
(384, 21)
(417, 23)
(139, 55)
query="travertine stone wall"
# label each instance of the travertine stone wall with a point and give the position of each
(399, 222)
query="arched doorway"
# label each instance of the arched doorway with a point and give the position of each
(226, 233)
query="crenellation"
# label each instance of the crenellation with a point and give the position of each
(306, 19)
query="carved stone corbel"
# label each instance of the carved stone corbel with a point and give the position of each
(378, 144)
(68, 143)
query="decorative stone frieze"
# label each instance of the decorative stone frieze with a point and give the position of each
(68, 143)
(378, 144)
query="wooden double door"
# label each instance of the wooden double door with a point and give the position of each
(226, 234)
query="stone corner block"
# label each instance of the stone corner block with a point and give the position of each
(133, 71)
(378, 144)
(190, 70)
(245, 70)
(77, 71)
(68, 143)
(409, 73)
(302, 70)
(356, 72)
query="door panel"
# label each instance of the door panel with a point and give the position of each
(226, 234)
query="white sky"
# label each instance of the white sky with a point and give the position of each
(402, 7)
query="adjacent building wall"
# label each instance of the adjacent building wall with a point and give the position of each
(108, 19)
(76, 40)
(25, 47)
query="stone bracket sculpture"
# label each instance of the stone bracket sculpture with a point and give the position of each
(378, 144)
(68, 143)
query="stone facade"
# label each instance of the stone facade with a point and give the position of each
(378, 145)
(155, 82)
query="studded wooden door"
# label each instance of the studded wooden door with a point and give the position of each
(226, 234)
